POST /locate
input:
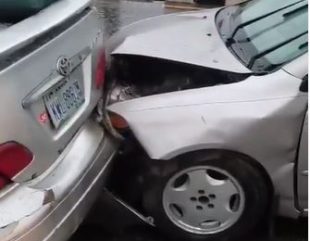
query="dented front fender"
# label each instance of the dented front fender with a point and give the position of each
(260, 117)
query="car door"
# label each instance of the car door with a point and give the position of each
(302, 165)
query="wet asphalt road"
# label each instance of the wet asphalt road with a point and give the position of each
(102, 226)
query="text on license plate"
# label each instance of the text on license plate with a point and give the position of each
(63, 101)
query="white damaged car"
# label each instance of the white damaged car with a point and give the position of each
(218, 101)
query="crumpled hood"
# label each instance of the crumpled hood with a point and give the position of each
(184, 37)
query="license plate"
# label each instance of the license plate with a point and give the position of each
(63, 101)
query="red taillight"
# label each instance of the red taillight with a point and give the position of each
(100, 70)
(14, 158)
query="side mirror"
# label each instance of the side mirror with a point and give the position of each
(304, 84)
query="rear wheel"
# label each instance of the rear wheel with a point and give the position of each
(207, 198)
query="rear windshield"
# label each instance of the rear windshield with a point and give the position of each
(12, 11)
(265, 34)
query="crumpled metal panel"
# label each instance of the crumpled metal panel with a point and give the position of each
(167, 37)
(23, 206)
(212, 115)
(17, 203)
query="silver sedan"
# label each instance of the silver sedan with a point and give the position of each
(54, 154)
(218, 101)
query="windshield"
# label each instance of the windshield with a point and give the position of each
(265, 34)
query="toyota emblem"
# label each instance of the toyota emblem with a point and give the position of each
(63, 66)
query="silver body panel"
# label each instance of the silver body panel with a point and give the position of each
(16, 36)
(52, 206)
(261, 116)
(302, 168)
(167, 37)
(51, 196)
(32, 75)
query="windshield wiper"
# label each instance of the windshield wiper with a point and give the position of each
(285, 15)
(302, 46)
(267, 51)
(290, 13)
(230, 40)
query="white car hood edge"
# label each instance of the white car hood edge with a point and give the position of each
(184, 37)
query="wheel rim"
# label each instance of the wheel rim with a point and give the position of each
(203, 200)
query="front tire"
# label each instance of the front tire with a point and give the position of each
(218, 196)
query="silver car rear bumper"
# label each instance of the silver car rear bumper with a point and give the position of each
(69, 189)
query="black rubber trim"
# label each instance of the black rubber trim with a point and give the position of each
(296, 162)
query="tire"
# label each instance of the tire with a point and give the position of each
(235, 174)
